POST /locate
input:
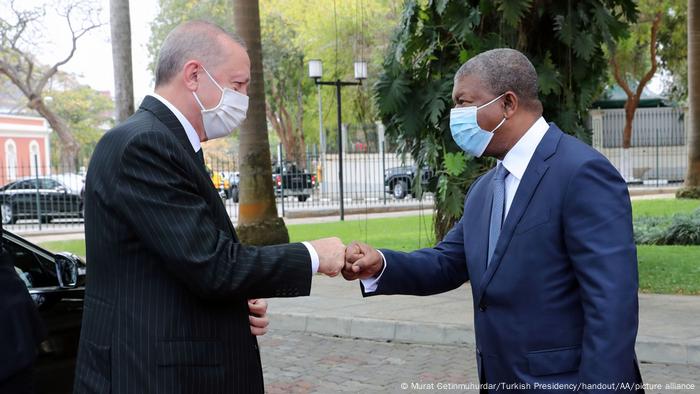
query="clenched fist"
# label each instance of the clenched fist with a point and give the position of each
(362, 262)
(331, 255)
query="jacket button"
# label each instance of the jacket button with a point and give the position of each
(482, 307)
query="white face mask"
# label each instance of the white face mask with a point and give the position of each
(221, 120)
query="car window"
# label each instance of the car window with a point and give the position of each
(47, 183)
(28, 184)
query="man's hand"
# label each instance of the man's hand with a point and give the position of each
(362, 262)
(258, 317)
(331, 255)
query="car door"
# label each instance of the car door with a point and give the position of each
(25, 199)
(54, 197)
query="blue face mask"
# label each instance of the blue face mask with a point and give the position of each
(466, 131)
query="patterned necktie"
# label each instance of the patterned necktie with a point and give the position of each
(497, 208)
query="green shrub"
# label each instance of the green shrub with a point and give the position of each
(685, 230)
(681, 229)
(688, 192)
(648, 230)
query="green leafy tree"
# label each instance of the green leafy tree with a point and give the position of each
(303, 30)
(634, 62)
(563, 39)
(673, 48)
(87, 113)
(286, 85)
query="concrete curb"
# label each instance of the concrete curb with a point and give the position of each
(648, 349)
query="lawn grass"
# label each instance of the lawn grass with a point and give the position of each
(401, 233)
(662, 269)
(672, 269)
(76, 247)
(663, 207)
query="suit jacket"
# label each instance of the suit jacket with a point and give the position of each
(168, 281)
(21, 327)
(558, 302)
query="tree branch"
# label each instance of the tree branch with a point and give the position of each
(618, 76)
(652, 53)
(75, 36)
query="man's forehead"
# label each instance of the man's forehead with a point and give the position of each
(236, 60)
(468, 85)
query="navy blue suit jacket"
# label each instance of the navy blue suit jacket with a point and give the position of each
(558, 303)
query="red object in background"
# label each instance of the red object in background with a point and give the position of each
(21, 139)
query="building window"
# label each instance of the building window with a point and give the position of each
(34, 158)
(11, 160)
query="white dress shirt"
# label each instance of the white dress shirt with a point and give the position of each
(197, 145)
(516, 161)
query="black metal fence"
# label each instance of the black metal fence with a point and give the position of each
(34, 197)
(44, 198)
(372, 181)
(658, 155)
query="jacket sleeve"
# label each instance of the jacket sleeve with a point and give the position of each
(167, 214)
(425, 271)
(599, 238)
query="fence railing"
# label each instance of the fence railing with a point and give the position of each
(49, 198)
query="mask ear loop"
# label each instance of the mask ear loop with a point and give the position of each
(481, 106)
(489, 103)
(217, 85)
(198, 102)
(212, 79)
(499, 125)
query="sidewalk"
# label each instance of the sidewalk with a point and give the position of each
(669, 326)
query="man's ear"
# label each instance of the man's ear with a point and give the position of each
(510, 104)
(190, 75)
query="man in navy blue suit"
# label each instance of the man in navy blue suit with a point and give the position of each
(545, 240)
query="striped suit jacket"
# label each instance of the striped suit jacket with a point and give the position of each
(168, 281)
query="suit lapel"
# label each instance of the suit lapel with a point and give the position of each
(168, 118)
(528, 185)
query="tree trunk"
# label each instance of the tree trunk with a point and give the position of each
(633, 97)
(120, 24)
(692, 180)
(258, 223)
(626, 167)
(69, 145)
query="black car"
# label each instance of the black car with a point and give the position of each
(290, 180)
(399, 181)
(39, 198)
(56, 283)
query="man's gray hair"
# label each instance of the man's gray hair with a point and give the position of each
(504, 69)
(191, 40)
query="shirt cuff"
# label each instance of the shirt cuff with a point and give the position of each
(371, 284)
(314, 257)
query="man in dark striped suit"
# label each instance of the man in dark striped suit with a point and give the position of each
(166, 303)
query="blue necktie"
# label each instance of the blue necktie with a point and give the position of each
(497, 208)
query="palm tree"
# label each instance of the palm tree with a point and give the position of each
(258, 223)
(120, 23)
(692, 180)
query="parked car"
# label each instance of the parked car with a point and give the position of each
(56, 283)
(42, 198)
(289, 180)
(399, 181)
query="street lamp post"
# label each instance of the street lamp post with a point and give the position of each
(315, 72)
